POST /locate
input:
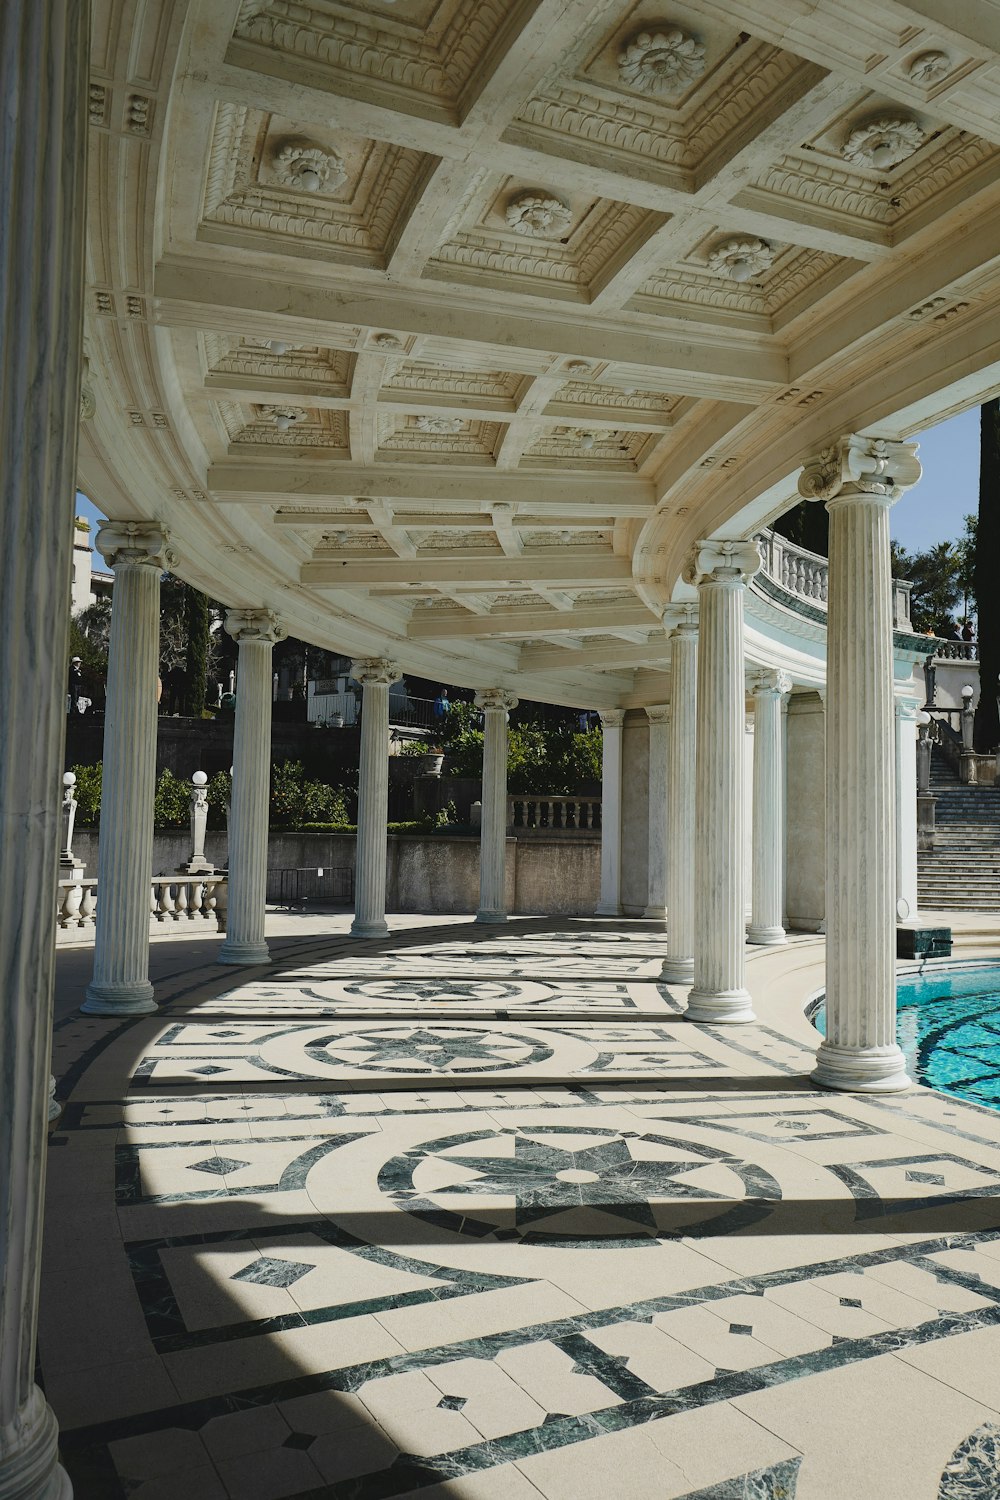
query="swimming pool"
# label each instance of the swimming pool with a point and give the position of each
(948, 1025)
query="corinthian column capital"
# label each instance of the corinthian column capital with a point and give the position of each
(255, 625)
(496, 698)
(769, 682)
(718, 562)
(612, 718)
(857, 467)
(375, 670)
(144, 543)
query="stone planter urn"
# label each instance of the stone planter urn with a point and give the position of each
(430, 765)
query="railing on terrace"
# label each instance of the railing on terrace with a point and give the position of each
(806, 575)
(554, 815)
(172, 898)
(956, 651)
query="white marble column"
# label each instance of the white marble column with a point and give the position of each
(255, 631)
(659, 734)
(138, 553)
(770, 690)
(44, 52)
(681, 620)
(375, 675)
(906, 708)
(860, 478)
(496, 705)
(721, 571)
(610, 904)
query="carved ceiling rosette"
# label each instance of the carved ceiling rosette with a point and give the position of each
(883, 142)
(309, 168)
(661, 62)
(741, 258)
(929, 67)
(438, 424)
(538, 215)
(283, 417)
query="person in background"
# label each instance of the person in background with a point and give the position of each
(968, 634)
(442, 707)
(75, 688)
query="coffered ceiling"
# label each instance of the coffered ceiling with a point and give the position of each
(445, 327)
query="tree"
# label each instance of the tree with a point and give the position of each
(987, 727)
(198, 633)
(966, 550)
(807, 525)
(936, 589)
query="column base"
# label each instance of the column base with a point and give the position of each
(766, 936)
(118, 1000)
(244, 953)
(30, 1471)
(678, 970)
(861, 1070)
(606, 909)
(491, 918)
(361, 929)
(655, 914)
(715, 1006)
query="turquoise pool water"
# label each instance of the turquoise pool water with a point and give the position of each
(948, 1025)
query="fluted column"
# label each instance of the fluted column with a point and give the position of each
(138, 553)
(721, 571)
(610, 904)
(906, 807)
(659, 732)
(375, 675)
(860, 478)
(682, 622)
(44, 52)
(255, 631)
(770, 690)
(496, 705)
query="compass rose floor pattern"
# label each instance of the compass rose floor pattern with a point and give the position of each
(479, 1214)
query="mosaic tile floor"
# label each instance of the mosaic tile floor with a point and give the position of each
(345, 1227)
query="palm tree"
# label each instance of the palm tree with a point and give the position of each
(987, 727)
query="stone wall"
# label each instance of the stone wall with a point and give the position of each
(805, 899)
(431, 873)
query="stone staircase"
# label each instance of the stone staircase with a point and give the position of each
(962, 871)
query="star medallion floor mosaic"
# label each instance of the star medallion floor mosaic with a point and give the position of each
(479, 1214)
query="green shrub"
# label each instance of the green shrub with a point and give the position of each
(297, 800)
(172, 802)
(88, 793)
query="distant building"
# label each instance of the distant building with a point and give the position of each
(87, 583)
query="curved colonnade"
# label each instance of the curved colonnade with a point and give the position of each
(387, 346)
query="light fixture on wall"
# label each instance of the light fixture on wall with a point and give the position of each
(587, 441)
(277, 347)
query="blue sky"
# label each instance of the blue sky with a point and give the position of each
(931, 512)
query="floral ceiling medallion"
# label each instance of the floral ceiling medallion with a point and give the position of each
(283, 417)
(537, 214)
(929, 67)
(439, 424)
(742, 258)
(883, 142)
(309, 168)
(661, 62)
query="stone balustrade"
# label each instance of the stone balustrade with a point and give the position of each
(800, 572)
(805, 575)
(554, 815)
(172, 898)
(956, 651)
